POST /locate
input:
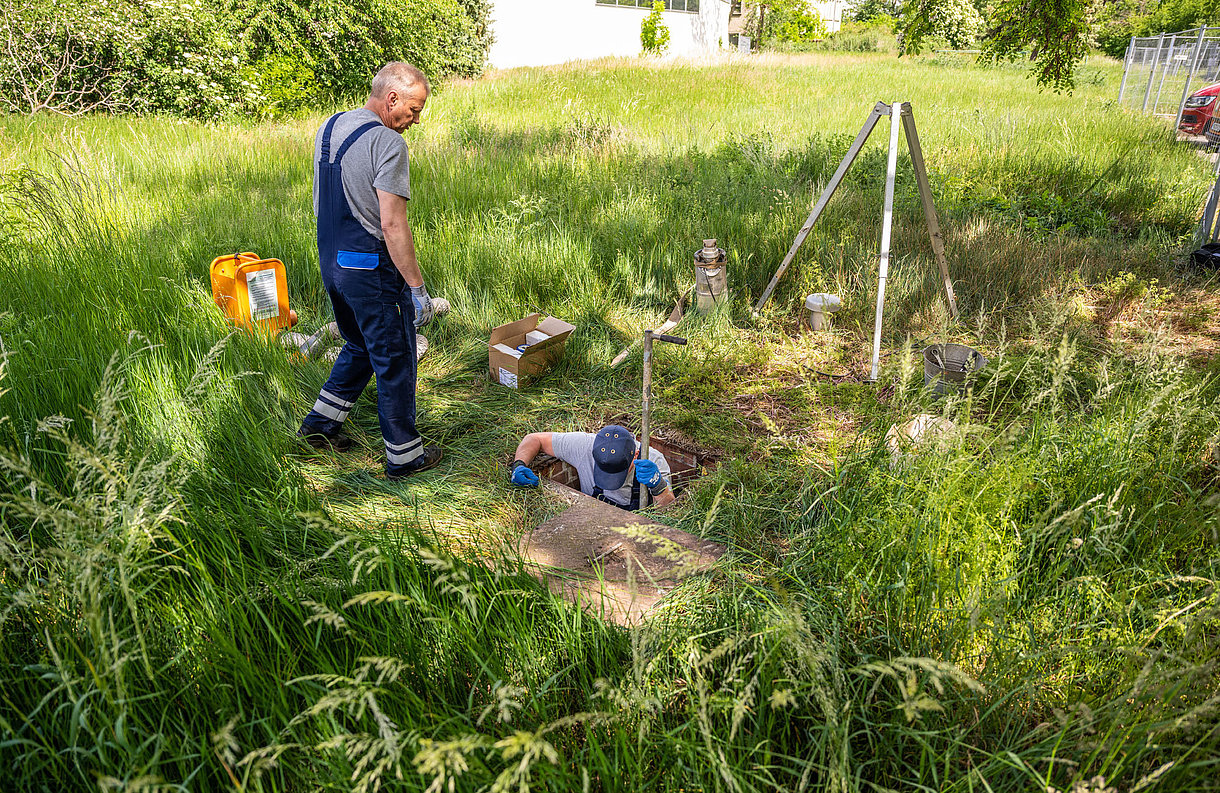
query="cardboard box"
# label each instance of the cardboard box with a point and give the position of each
(513, 370)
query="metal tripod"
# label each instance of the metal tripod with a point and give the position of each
(896, 111)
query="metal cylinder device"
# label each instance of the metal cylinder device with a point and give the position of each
(711, 276)
(950, 367)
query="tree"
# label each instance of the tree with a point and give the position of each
(956, 21)
(784, 20)
(794, 21)
(654, 35)
(1056, 33)
(1119, 20)
(868, 10)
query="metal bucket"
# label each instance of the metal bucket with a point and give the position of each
(711, 277)
(949, 367)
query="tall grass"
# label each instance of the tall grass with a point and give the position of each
(189, 600)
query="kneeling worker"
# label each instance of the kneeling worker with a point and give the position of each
(604, 460)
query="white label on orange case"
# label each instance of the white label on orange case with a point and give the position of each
(264, 297)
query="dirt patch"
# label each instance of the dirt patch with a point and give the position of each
(615, 564)
(1186, 325)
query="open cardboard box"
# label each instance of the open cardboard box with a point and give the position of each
(512, 368)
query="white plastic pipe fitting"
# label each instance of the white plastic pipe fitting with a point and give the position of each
(820, 307)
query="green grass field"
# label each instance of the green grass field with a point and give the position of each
(192, 600)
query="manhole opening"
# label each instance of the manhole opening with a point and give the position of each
(685, 465)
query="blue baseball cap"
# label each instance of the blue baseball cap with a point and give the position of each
(613, 451)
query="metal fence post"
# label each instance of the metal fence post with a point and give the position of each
(1173, 40)
(1122, 87)
(1194, 65)
(1209, 47)
(1209, 214)
(1152, 72)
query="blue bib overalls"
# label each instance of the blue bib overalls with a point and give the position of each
(375, 315)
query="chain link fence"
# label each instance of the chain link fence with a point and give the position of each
(1161, 72)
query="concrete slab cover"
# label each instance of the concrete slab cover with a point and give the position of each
(613, 563)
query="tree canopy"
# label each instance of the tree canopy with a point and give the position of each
(1055, 33)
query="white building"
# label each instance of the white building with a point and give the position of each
(543, 32)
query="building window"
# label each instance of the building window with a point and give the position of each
(670, 5)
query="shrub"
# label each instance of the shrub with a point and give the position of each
(73, 57)
(207, 58)
(872, 36)
(654, 35)
(479, 12)
(873, 10)
(785, 22)
(793, 21)
(330, 51)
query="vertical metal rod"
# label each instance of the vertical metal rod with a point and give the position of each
(1209, 213)
(878, 110)
(646, 410)
(1164, 71)
(1194, 65)
(887, 222)
(929, 208)
(1152, 72)
(1122, 87)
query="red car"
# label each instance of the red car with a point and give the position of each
(1197, 118)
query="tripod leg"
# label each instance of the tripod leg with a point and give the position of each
(878, 111)
(887, 223)
(929, 208)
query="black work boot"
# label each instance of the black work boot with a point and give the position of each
(337, 442)
(429, 459)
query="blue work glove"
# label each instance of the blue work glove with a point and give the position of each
(648, 475)
(424, 311)
(523, 476)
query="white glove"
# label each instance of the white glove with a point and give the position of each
(424, 310)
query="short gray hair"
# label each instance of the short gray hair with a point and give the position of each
(398, 76)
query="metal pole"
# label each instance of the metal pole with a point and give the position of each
(646, 410)
(1122, 87)
(1194, 65)
(1209, 49)
(835, 181)
(887, 221)
(1209, 213)
(1152, 72)
(1164, 71)
(929, 208)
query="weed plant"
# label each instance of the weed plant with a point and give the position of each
(191, 600)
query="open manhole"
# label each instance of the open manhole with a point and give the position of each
(686, 465)
(615, 563)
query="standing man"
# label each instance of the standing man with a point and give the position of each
(362, 183)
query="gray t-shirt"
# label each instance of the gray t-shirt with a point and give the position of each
(378, 160)
(576, 449)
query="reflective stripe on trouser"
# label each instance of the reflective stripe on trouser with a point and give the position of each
(331, 406)
(403, 453)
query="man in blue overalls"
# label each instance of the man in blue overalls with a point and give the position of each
(362, 183)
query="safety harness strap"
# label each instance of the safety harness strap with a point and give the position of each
(634, 504)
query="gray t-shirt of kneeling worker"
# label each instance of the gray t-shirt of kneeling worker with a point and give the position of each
(377, 160)
(576, 449)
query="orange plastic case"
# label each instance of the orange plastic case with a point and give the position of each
(252, 292)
